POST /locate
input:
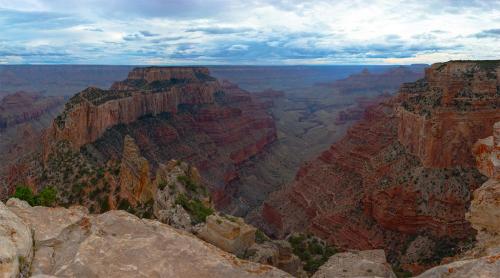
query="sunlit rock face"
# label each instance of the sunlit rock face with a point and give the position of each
(405, 169)
(89, 113)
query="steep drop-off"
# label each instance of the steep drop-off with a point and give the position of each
(170, 113)
(373, 189)
(23, 116)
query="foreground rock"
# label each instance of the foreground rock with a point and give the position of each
(73, 243)
(16, 245)
(370, 263)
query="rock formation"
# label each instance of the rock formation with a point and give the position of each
(484, 259)
(229, 233)
(371, 263)
(374, 189)
(449, 111)
(135, 180)
(89, 113)
(169, 113)
(72, 243)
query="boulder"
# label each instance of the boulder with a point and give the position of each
(229, 233)
(72, 243)
(371, 263)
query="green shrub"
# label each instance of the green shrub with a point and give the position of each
(24, 193)
(198, 211)
(260, 237)
(162, 184)
(47, 197)
(190, 185)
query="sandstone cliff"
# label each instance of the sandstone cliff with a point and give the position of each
(373, 189)
(444, 114)
(89, 113)
(72, 243)
(168, 113)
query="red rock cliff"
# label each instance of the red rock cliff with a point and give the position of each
(147, 91)
(456, 105)
(375, 189)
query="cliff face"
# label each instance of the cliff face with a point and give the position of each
(169, 113)
(449, 111)
(88, 114)
(483, 259)
(373, 190)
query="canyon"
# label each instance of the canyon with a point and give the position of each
(381, 186)
(23, 117)
(169, 113)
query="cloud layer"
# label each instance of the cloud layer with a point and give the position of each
(247, 32)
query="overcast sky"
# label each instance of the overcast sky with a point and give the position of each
(247, 32)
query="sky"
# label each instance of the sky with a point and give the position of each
(252, 32)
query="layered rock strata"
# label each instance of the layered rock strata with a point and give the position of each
(168, 113)
(484, 259)
(373, 190)
(89, 113)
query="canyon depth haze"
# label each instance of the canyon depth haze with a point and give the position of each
(222, 138)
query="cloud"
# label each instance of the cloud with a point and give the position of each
(94, 29)
(219, 30)
(37, 20)
(247, 32)
(490, 33)
(148, 34)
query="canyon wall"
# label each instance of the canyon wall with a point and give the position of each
(170, 113)
(373, 189)
(455, 106)
(89, 113)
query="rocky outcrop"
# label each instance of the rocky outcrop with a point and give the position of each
(484, 259)
(229, 233)
(371, 190)
(278, 253)
(371, 263)
(450, 110)
(72, 243)
(181, 199)
(488, 266)
(135, 177)
(89, 113)
(485, 207)
(170, 113)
